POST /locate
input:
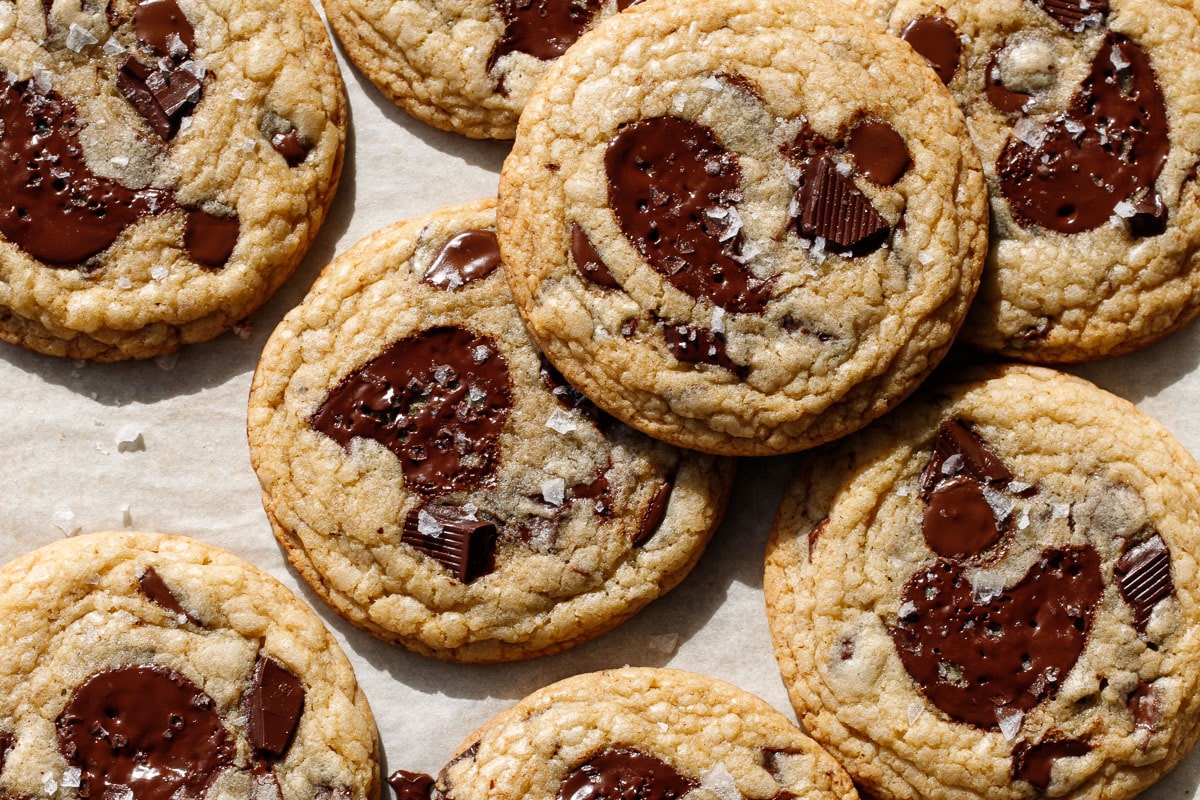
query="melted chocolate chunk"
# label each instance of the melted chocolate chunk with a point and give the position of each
(565, 393)
(832, 207)
(145, 728)
(674, 190)
(210, 240)
(289, 145)
(695, 345)
(6, 742)
(1143, 706)
(543, 29)
(162, 96)
(468, 256)
(935, 39)
(455, 539)
(410, 785)
(1032, 763)
(438, 400)
(1107, 149)
(1001, 97)
(54, 207)
(653, 516)
(597, 490)
(879, 151)
(273, 707)
(958, 450)
(1074, 14)
(1143, 576)
(624, 774)
(587, 259)
(959, 521)
(974, 659)
(157, 591)
(163, 28)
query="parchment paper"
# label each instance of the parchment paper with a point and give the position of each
(160, 445)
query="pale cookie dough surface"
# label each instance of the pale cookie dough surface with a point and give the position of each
(76, 613)
(266, 71)
(466, 66)
(571, 496)
(746, 333)
(1096, 286)
(721, 741)
(1068, 665)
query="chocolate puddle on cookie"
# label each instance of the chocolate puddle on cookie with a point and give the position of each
(145, 729)
(1101, 157)
(468, 256)
(54, 207)
(438, 400)
(620, 773)
(936, 40)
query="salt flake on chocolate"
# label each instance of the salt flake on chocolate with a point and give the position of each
(71, 777)
(986, 586)
(427, 525)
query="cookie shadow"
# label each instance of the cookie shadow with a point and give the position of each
(1147, 372)
(669, 625)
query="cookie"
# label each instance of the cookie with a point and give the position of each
(745, 228)
(1086, 120)
(435, 480)
(466, 66)
(165, 165)
(157, 667)
(640, 732)
(992, 593)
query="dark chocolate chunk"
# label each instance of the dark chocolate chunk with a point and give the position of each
(1143, 576)
(163, 28)
(1143, 705)
(959, 521)
(597, 490)
(52, 205)
(1100, 158)
(543, 29)
(289, 145)
(163, 96)
(587, 259)
(620, 773)
(1032, 762)
(971, 456)
(157, 591)
(437, 399)
(1001, 97)
(1074, 15)
(208, 239)
(144, 728)
(457, 540)
(674, 190)
(879, 151)
(410, 785)
(6, 742)
(832, 207)
(937, 41)
(696, 345)
(654, 513)
(273, 707)
(566, 394)
(976, 657)
(443, 784)
(468, 256)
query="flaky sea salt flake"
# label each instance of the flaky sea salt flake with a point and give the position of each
(79, 38)
(1124, 209)
(427, 525)
(1002, 505)
(915, 709)
(711, 83)
(71, 777)
(986, 586)
(1060, 510)
(112, 47)
(718, 781)
(718, 320)
(554, 491)
(1010, 720)
(159, 273)
(561, 421)
(66, 521)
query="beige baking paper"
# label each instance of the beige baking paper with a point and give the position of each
(160, 445)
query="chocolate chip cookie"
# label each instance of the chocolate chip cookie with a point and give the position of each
(646, 733)
(746, 227)
(991, 593)
(1085, 117)
(466, 66)
(165, 165)
(436, 480)
(156, 667)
